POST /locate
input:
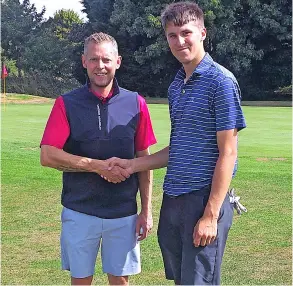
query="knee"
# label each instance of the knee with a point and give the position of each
(117, 280)
(82, 281)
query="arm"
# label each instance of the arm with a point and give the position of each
(58, 159)
(144, 138)
(155, 161)
(205, 230)
(145, 219)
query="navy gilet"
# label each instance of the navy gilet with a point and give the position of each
(100, 131)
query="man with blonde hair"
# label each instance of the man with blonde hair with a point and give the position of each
(87, 126)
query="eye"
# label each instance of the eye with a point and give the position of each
(186, 33)
(93, 60)
(106, 61)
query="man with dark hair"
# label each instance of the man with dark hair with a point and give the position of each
(201, 159)
(87, 126)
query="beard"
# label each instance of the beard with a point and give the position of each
(101, 82)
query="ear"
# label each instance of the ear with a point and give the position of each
(203, 34)
(118, 64)
(83, 61)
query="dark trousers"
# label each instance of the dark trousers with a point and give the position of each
(184, 263)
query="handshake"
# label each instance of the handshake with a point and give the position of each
(116, 170)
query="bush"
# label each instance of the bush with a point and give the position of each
(40, 85)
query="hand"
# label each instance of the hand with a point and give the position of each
(144, 225)
(127, 165)
(115, 175)
(205, 231)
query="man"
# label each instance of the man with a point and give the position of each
(87, 126)
(205, 113)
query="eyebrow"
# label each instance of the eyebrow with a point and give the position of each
(186, 30)
(103, 58)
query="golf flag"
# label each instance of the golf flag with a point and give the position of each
(4, 72)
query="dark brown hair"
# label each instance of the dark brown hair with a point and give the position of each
(181, 13)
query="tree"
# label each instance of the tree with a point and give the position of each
(98, 13)
(252, 38)
(64, 21)
(19, 22)
(50, 49)
(271, 33)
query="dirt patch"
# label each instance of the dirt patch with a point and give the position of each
(31, 148)
(29, 100)
(262, 159)
(270, 159)
(34, 101)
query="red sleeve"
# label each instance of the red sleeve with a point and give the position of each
(57, 129)
(145, 136)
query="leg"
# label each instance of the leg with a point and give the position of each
(80, 241)
(224, 225)
(202, 265)
(120, 249)
(194, 205)
(170, 239)
(82, 281)
(117, 280)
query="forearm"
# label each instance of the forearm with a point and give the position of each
(145, 190)
(145, 180)
(220, 184)
(58, 159)
(155, 161)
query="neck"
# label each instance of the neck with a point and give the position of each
(103, 91)
(191, 66)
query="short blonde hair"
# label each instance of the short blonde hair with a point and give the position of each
(99, 38)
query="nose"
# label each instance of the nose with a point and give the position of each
(100, 64)
(181, 41)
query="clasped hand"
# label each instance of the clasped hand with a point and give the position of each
(116, 170)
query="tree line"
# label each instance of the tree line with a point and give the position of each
(252, 38)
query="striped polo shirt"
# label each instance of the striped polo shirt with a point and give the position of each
(208, 102)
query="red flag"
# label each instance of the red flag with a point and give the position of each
(4, 72)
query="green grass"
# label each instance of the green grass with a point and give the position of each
(259, 247)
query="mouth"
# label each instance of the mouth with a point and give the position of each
(182, 49)
(100, 75)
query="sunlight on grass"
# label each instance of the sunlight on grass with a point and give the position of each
(259, 246)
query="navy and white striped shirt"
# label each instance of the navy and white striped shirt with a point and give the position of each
(208, 102)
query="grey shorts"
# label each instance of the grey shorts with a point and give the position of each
(184, 263)
(82, 235)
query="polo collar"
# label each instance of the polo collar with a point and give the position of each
(204, 65)
(201, 69)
